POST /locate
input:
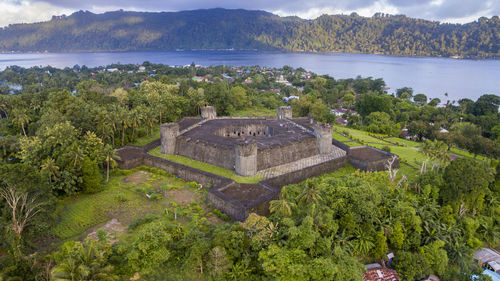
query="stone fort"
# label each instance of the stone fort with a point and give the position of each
(267, 146)
(281, 150)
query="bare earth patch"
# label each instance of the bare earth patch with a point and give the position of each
(183, 197)
(137, 177)
(215, 220)
(113, 228)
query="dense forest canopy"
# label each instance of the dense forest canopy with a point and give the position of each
(59, 130)
(242, 29)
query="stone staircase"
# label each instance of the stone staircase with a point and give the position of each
(301, 164)
(301, 127)
(193, 126)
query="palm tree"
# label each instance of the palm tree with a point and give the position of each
(310, 194)
(282, 207)
(110, 156)
(136, 119)
(50, 167)
(362, 242)
(441, 153)
(77, 154)
(427, 151)
(125, 121)
(21, 118)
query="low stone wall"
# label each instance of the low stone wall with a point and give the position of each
(377, 164)
(185, 172)
(301, 175)
(151, 145)
(229, 206)
(344, 147)
(131, 163)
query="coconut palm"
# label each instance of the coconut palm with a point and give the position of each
(21, 118)
(362, 242)
(77, 154)
(50, 167)
(282, 207)
(310, 194)
(109, 156)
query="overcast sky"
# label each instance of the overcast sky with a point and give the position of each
(455, 11)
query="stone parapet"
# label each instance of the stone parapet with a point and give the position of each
(284, 112)
(208, 112)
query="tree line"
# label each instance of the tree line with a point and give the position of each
(242, 29)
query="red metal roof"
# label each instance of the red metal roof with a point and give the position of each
(381, 274)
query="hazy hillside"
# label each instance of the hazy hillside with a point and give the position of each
(242, 29)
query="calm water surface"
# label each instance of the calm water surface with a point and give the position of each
(431, 76)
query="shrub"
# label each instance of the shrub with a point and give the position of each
(91, 178)
(140, 221)
(386, 148)
(221, 215)
(121, 197)
(154, 196)
(101, 235)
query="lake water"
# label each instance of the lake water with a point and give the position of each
(431, 76)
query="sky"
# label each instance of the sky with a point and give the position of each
(453, 11)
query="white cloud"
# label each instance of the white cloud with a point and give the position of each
(378, 7)
(26, 12)
(456, 11)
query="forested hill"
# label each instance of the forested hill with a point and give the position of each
(242, 29)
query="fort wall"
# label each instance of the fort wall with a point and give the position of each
(168, 135)
(245, 159)
(204, 152)
(286, 153)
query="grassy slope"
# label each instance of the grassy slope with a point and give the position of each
(409, 152)
(118, 199)
(205, 167)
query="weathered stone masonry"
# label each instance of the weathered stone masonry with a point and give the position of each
(247, 145)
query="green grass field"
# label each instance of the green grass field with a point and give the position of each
(123, 198)
(357, 134)
(205, 167)
(409, 152)
(147, 139)
(404, 142)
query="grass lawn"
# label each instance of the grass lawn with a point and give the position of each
(147, 139)
(404, 142)
(255, 112)
(338, 136)
(410, 154)
(123, 198)
(467, 154)
(357, 134)
(205, 167)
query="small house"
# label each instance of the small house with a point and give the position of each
(375, 272)
(488, 259)
(342, 121)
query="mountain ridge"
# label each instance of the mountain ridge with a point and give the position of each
(253, 29)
